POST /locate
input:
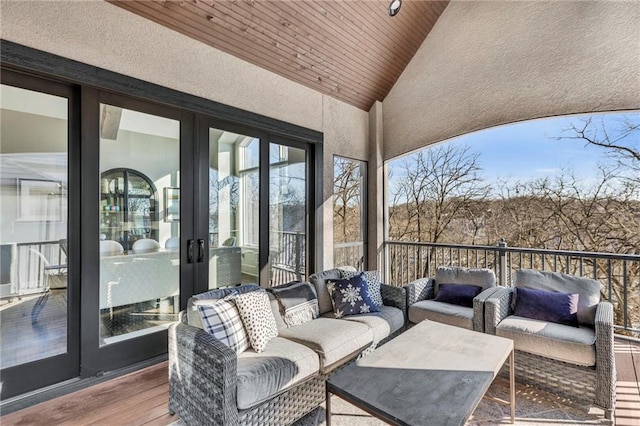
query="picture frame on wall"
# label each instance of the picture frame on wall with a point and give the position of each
(171, 204)
(39, 200)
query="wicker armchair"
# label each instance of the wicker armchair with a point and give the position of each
(594, 384)
(420, 295)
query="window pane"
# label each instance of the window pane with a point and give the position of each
(233, 208)
(33, 234)
(139, 223)
(348, 212)
(287, 213)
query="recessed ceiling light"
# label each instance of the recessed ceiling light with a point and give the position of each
(394, 7)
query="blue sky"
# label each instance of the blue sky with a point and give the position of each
(528, 150)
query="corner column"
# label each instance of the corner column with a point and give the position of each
(375, 195)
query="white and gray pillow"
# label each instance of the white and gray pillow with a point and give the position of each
(222, 320)
(372, 278)
(257, 317)
(298, 302)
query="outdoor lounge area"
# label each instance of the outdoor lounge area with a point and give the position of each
(316, 212)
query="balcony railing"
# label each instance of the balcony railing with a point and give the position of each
(350, 254)
(32, 265)
(619, 274)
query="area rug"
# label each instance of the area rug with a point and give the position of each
(533, 408)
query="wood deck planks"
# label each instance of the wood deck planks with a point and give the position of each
(133, 393)
(141, 398)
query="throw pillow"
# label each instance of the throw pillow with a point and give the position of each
(372, 278)
(350, 297)
(257, 317)
(298, 302)
(457, 294)
(222, 320)
(561, 308)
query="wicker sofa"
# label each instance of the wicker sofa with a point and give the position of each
(210, 385)
(576, 362)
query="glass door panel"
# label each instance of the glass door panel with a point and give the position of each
(33, 237)
(287, 213)
(233, 215)
(139, 223)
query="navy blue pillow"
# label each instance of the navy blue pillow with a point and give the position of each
(458, 294)
(561, 308)
(350, 296)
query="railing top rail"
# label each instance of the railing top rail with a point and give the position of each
(350, 244)
(35, 243)
(585, 254)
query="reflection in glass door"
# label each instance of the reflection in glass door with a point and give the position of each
(287, 213)
(139, 223)
(234, 195)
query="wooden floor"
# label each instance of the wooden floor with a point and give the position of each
(141, 398)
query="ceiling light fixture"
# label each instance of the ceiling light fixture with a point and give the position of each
(394, 7)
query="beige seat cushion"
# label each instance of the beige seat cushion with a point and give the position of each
(383, 323)
(332, 339)
(445, 313)
(282, 364)
(575, 345)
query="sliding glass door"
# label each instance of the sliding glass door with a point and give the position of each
(254, 214)
(38, 287)
(232, 213)
(115, 210)
(139, 265)
(288, 213)
(139, 215)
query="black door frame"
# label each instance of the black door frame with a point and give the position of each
(204, 123)
(311, 153)
(96, 359)
(37, 374)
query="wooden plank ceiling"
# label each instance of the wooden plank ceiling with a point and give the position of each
(351, 50)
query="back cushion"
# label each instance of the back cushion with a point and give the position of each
(318, 280)
(588, 290)
(207, 298)
(480, 277)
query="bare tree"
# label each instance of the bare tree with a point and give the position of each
(347, 198)
(620, 139)
(439, 185)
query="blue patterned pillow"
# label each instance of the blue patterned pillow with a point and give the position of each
(222, 320)
(350, 297)
(372, 278)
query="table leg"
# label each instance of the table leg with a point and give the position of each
(512, 387)
(327, 414)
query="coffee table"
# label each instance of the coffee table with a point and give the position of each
(431, 374)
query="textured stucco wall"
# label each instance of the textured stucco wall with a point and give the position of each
(345, 128)
(103, 35)
(488, 63)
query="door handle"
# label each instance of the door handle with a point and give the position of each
(190, 244)
(200, 251)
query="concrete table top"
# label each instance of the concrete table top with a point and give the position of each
(432, 374)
